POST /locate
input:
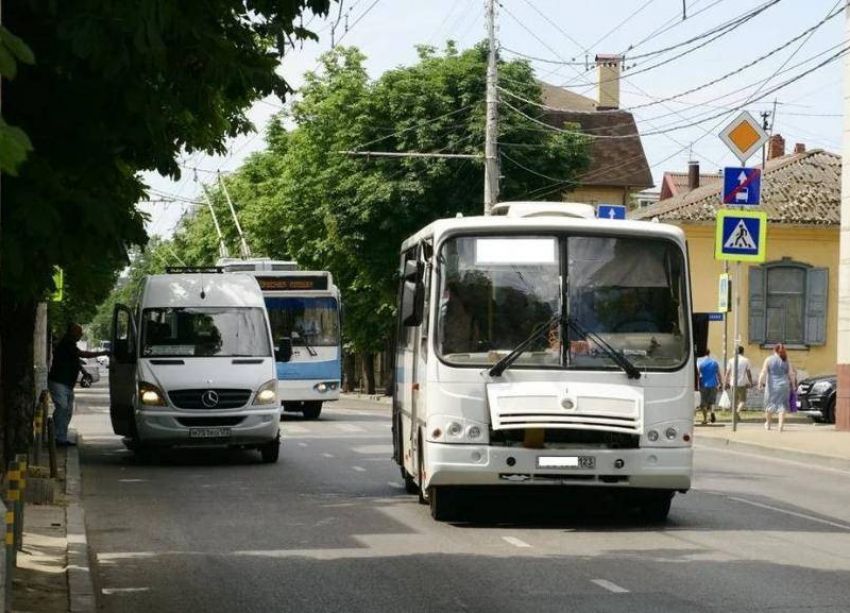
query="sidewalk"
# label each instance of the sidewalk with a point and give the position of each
(801, 442)
(52, 573)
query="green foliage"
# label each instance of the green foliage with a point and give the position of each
(302, 199)
(14, 143)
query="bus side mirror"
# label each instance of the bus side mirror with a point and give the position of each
(413, 296)
(283, 352)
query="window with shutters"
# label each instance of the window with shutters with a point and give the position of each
(788, 303)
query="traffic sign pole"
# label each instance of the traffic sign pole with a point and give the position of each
(737, 341)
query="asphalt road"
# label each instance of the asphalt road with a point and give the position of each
(330, 528)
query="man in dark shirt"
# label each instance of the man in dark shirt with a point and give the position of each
(62, 377)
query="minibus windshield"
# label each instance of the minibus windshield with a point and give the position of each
(623, 292)
(205, 332)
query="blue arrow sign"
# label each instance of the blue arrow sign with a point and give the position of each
(611, 211)
(741, 186)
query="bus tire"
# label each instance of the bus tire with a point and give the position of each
(312, 410)
(409, 482)
(443, 502)
(420, 488)
(270, 451)
(655, 508)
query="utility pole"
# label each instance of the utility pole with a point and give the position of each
(842, 404)
(491, 145)
(244, 249)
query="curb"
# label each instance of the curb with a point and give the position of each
(774, 452)
(80, 587)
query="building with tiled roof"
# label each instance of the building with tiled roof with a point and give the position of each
(618, 166)
(792, 297)
(677, 183)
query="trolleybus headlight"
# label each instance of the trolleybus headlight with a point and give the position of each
(473, 432)
(321, 387)
(267, 394)
(652, 435)
(150, 395)
(454, 429)
(325, 386)
(671, 434)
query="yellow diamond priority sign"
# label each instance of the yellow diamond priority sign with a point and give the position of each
(744, 136)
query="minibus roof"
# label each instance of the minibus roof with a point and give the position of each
(202, 290)
(543, 223)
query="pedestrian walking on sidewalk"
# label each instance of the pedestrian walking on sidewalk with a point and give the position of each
(709, 383)
(62, 377)
(776, 379)
(744, 382)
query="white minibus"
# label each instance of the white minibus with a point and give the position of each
(541, 346)
(193, 364)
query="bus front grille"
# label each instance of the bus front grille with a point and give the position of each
(568, 437)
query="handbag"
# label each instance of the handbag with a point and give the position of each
(725, 402)
(792, 401)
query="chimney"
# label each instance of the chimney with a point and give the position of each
(800, 148)
(608, 77)
(693, 174)
(775, 147)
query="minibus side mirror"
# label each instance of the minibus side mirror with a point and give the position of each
(283, 352)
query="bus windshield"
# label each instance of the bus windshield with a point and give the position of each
(205, 332)
(495, 291)
(308, 321)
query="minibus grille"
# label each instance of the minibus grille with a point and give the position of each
(195, 422)
(201, 399)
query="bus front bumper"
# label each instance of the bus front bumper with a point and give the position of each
(652, 468)
(289, 390)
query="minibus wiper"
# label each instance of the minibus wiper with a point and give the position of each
(621, 360)
(502, 365)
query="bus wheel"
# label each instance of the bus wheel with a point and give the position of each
(656, 507)
(311, 410)
(443, 502)
(409, 482)
(419, 469)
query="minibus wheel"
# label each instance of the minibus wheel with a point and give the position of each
(270, 451)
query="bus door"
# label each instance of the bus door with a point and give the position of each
(122, 370)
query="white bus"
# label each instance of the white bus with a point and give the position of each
(304, 312)
(541, 346)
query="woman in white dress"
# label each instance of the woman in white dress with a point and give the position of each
(777, 380)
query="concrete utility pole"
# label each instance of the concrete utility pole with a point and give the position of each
(244, 249)
(842, 404)
(491, 146)
(222, 247)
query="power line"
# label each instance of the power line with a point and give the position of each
(624, 22)
(356, 21)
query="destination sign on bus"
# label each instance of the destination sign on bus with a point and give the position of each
(306, 283)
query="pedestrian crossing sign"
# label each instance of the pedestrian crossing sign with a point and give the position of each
(741, 236)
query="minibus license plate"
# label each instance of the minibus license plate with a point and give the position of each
(209, 432)
(584, 461)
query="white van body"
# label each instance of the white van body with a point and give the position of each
(564, 413)
(194, 363)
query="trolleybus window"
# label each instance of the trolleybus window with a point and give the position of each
(496, 290)
(307, 321)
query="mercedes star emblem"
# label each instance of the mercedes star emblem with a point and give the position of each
(210, 399)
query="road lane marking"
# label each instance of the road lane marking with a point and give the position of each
(295, 429)
(398, 486)
(328, 455)
(108, 591)
(611, 587)
(515, 541)
(303, 445)
(792, 513)
(349, 428)
(132, 480)
(359, 469)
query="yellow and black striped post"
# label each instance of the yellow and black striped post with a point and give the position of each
(13, 499)
(9, 529)
(21, 466)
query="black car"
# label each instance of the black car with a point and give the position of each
(816, 398)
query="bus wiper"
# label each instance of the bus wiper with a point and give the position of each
(502, 365)
(621, 360)
(309, 347)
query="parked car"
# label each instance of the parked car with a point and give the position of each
(103, 360)
(816, 398)
(88, 374)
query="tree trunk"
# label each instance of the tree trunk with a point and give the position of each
(368, 360)
(18, 391)
(349, 373)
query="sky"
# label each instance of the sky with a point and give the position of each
(561, 34)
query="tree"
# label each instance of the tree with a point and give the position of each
(120, 86)
(303, 199)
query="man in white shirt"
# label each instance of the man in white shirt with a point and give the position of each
(745, 379)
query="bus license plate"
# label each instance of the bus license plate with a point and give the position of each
(209, 432)
(584, 461)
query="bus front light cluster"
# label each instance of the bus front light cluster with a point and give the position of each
(443, 429)
(652, 435)
(326, 386)
(150, 395)
(671, 433)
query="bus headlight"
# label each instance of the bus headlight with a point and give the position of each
(652, 435)
(267, 394)
(326, 386)
(445, 429)
(671, 434)
(473, 432)
(454, 429)
(150, 395)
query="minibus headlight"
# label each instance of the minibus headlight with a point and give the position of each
(267, 394)
(150, 395)
(652, 435)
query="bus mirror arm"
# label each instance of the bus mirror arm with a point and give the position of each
(283, 351)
